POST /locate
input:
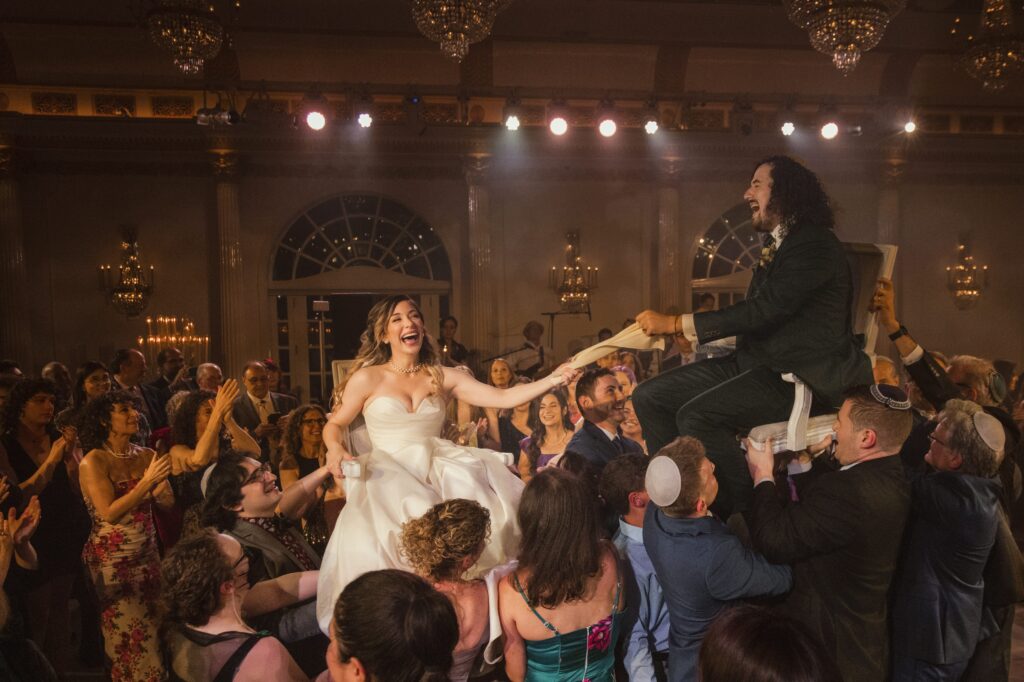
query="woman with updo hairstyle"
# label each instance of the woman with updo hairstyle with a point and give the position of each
(561, 609)
(392, 626)
(203, 634)
(753, 644)
(441, 546)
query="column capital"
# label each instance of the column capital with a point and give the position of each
(224, 164)
(475, 168)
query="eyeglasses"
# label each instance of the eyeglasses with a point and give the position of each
(932, 438)
(257, 475)
(318, 421)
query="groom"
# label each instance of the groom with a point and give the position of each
(796, 318)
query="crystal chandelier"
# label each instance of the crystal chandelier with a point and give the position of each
(131, 292)
(843, 29)
(187, 29)
(456, 24)
(966, 280)
(574, 283)
(997, 53)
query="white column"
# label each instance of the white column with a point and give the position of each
(670, 252)
(15, 335)
(482, 325)
(229, 262)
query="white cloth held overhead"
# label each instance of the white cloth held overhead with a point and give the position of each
(630, 337)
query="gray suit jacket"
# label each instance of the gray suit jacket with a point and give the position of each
(268, 558)
(245, 416)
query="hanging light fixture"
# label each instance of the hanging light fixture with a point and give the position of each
(188, 29)
(131, 291)
(996, 54)
(456, 24)
(574, 283)
(965, 279)
(843, 29)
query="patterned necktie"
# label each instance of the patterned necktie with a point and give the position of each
(263, 411)
(768, 248)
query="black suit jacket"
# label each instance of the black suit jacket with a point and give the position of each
(843, 539)
(797, 316)
(246, 416)
(591, 442)
(154, 406)
(937, 597)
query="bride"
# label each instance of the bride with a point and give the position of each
(401, 389)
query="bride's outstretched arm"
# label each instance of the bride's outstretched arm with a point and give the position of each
(465, 387)
(352, 400)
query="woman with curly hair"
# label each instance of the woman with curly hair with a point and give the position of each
(40, 463)
(441, 546)
(197, 430)
(401, 389)
(204, 635)
(550, 429)
(561, 608)
(121, 483)
(391, 626)
(303, 452)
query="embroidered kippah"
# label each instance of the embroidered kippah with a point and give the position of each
(890, 396)
(663, 481)
(990, 430)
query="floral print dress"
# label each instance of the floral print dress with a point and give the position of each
(584, 655)
(124, 563)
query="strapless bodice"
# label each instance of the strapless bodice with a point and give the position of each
(391, 426)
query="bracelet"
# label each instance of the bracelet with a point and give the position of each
(677, 325)
(902, 331)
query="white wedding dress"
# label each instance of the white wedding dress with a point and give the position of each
(407, 471)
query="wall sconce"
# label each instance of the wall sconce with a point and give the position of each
(965, 279)
(131, 292)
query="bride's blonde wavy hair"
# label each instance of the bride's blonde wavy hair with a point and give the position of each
(374, 350)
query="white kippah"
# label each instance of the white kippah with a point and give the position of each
(206, 479)
(663, 481)
(990, 429)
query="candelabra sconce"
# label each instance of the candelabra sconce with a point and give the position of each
(130, 289)
(574, 283)
(965, 279)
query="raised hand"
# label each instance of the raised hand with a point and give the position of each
(563, 375)
(653, 323)
(225, 400)
(24, 526)
(157, 472)
(883, 302)
(5, 488)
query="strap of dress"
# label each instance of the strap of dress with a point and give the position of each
(519, 588)
(230, 668)
(618, 591)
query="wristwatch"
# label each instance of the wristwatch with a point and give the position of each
(902, 331)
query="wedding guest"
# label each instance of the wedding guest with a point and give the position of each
(442, 545)
(129, 368)
(753, 644)
(122, 482)
(204, 634)
(452, 352)
(259, 408)
(602, 403)
(92, 379)
(37, 456)
(550, 432)
(302, 453)
(500, 374)
(170, 363)
(209, 377)
(630, 426)
(58, 373)
(392, 626)
(561, 608)
(626, 377)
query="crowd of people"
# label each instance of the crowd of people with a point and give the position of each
(428, 526)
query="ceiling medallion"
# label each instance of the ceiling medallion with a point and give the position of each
(188, 29)
(456, 24)
(997, 53)
(843, 29)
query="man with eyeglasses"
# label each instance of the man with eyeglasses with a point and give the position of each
(259, 408)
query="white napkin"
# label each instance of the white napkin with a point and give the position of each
(630, 337)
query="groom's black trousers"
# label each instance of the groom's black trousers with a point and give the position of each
(714, 400)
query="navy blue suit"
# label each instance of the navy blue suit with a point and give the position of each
(593, 443)
(702, 567)
(937, 607)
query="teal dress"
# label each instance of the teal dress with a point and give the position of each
(584, 655)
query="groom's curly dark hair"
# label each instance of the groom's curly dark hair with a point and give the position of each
(798, 198)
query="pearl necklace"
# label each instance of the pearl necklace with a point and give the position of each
(402, 370)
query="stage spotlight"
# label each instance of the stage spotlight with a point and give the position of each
(651, 118)
(558, 118)
(364, 120)
(513, 116)
(788, 128)
(830, 130)
(909, 127)
(364, 111)
(606, 119)
(316, 120)
(512, 122)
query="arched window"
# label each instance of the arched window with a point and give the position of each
(360, 229)
(727, 251)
